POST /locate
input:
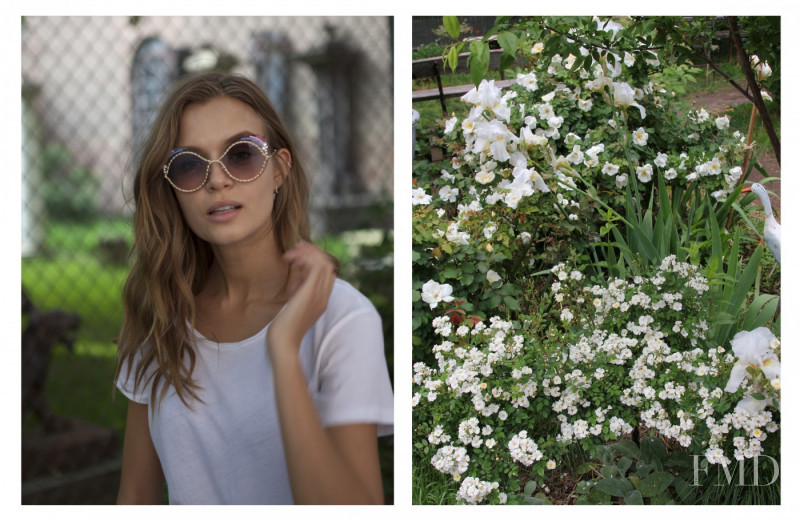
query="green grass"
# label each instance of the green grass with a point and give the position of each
(708, 80)
(430, 487)
(740, 120)
(83, 285)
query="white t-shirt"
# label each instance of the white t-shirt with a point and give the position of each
(229, 449)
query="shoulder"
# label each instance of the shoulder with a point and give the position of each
(346, 300)
(348, 311)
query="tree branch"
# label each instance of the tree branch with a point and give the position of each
(758, 101)
(724, 75)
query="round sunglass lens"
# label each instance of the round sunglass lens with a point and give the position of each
(187, 171)
(244, 161)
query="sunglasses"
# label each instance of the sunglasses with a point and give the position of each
(244, 161)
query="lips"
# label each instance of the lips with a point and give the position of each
(223, 207)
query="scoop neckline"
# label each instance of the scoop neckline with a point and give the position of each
(256, 336)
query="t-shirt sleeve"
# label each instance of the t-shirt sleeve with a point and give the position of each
(125, 382)
(353, 379)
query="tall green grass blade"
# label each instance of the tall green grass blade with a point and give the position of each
(760, 312)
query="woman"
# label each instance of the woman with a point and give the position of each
(254, 375)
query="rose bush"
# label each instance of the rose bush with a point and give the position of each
(571, 272)
(608, 358)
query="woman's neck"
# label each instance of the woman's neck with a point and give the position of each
(245, 272)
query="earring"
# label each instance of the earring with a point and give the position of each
(275, 194)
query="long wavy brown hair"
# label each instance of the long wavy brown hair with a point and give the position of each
(170, 262)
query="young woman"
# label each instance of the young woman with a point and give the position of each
(254, 375)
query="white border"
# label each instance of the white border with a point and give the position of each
(10, 111)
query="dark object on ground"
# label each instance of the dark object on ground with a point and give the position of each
(44, 331)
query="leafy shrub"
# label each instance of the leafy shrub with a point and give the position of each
(70, 192)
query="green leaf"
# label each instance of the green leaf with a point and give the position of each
(760, 312)
(655, 483)
(535, 501)
(530, 488)
(627, 448)
(613, 486)
(634, 497)
(512, 303)
(452, 57)
(508, 41)
(585, 468)
(479, 60)
(583, 487)
(652, 451)
(598, 496)
(450, 272)
(682, 487)
(452, 26)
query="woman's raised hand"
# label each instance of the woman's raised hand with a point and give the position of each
(311, 278)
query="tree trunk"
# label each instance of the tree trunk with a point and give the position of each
(754, 88)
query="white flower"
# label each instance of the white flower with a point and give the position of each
(623, 97)
(448, 194)
(447, 176)
(456, 236)
(566, 315)
(629, 59)
(450, 124)
(488, 96)
(763, 71)
(492, 276)
(753, 349)
(644, 173)
(610, 169)
(670, 174)
(537, 48)
(525, 237)
(551, 464)
(474, 491)
(418, 196)
(640, 136)
(528, 81)
(576, 156)
(622, 180)
(484, 177)
(722, 122)
(585, 105)
(702, 115)
(433, 293)
(752, 405)
(661, 160)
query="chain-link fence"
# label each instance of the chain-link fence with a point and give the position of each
(90, 88)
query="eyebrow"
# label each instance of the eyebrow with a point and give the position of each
(226, 143)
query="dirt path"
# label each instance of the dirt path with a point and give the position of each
(719, 101)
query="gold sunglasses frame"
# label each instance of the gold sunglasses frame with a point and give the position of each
(263, 148)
